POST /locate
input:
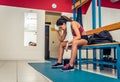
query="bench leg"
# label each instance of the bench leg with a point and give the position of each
(118, 61)
(87, 58)
(114, 53)
(80, 59)
(114, 57)
(94, 59)
(101, 59)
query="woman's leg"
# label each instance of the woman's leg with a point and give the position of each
(76, 43)
(61, 51)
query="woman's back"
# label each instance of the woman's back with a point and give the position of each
(80, 28)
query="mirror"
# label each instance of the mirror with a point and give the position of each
(30, 29)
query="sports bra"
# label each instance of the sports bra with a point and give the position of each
(81, 30)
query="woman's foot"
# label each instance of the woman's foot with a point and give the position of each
(57, 65)
(67, 68)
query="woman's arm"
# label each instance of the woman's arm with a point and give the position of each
(61, 37)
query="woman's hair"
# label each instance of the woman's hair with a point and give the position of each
(62, 19)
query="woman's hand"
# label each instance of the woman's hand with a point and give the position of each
(66, 47)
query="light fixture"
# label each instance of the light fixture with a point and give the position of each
(54, 5)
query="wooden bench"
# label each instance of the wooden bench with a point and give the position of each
(115, 45)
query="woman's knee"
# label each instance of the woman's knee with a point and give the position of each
(75, 42)
(61, 44)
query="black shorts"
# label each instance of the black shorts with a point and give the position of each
(84, 37)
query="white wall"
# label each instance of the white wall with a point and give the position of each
(12, 35)
(87, 19)
(108, 16)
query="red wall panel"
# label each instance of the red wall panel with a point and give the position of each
(109, 4)
(62, 5)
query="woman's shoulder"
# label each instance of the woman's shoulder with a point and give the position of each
(75, 23)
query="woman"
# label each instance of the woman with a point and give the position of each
(79, 39)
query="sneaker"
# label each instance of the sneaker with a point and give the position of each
(57, 65)
(67, 68)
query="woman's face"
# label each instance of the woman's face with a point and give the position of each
(63, 27)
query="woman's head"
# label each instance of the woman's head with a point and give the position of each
(61, 22)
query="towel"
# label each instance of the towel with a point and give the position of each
(56, 27)
(69, 35)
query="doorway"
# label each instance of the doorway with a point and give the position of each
(47, 54)
(51, 41)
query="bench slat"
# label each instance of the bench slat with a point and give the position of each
(103, 44)
(79, 4)
(111, 27)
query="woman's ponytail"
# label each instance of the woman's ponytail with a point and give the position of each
(66, 18)
(63, 19)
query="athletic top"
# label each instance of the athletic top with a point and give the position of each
(81, 30)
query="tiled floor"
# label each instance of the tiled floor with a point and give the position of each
(19, 71)
(106, 72)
